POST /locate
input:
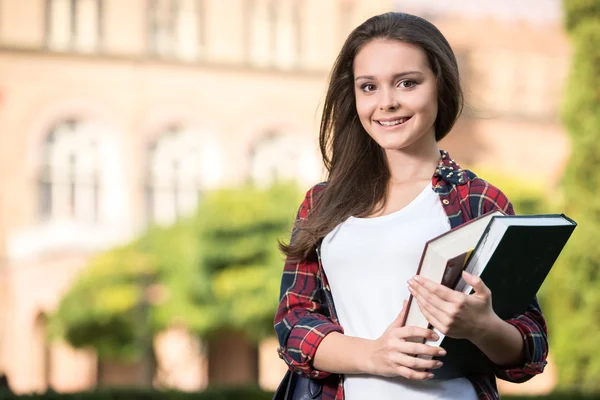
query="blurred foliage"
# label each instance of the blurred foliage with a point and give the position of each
(239, 230)
(577, 11)
(98, 310)
(211, 393)
(219, 269)
(574, 312)
(526, 195)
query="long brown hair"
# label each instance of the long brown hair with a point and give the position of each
(358, 172)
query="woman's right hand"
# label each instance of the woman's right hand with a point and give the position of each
(392, 355)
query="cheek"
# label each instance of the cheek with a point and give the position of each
(426, 105)
(432, 109)
(364, 108)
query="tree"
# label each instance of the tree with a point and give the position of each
(239, 230)
(218, 269)
(574, 306)
(102, 308)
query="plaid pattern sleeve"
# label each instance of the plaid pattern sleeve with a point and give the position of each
(301, 320)
(531, 324)
(534, 332)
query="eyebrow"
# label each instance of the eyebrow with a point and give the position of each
(396, 76)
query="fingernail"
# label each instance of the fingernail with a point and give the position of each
(438, 364)
(416, 278)
(442, 352)
(434, 336)
(429, 376)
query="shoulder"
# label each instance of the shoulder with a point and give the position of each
(309, 199)
(484, 196)
(315, 190)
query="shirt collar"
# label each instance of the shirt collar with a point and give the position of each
(449, 171)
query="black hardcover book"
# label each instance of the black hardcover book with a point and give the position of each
(513, 257)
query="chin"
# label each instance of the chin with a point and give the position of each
(393, 144)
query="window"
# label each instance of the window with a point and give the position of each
(282, 157)
(177, 28)
(287, 33)
(174, 176)
(273, 32)
(69, 181)
(259, 23)
(74, 25)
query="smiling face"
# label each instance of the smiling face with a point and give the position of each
(396, 95)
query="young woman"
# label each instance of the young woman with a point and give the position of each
(394, 93)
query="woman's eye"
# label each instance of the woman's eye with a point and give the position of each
(407, 84)
(368, 87)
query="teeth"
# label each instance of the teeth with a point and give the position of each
(392, 123)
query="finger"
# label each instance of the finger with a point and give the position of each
(476, 283)
(421, 349)
(436, 317)
(407, 332)
(420, 293)
(399, 321)
(424, 296)
(440, 291)
(409, 373)
(418, 363)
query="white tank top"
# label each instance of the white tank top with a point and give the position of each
(368, 262)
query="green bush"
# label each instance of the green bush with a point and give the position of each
(218, 269)
(527, 195)
(216, 393)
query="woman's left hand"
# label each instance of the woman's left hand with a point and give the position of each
(454, 313)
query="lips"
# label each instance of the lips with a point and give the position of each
(393, 122)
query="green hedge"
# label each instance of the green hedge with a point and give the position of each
(251, 393)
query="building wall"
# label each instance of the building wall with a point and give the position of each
(514, 76)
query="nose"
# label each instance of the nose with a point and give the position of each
(388, 100)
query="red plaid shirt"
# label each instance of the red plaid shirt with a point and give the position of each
(306, 313)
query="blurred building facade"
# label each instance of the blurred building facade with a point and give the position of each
(117, 114)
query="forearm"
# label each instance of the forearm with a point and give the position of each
(501, 342)
(342, 354)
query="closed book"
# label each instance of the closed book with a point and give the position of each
(513, 258)
(443, 259)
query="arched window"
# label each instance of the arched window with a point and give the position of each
(283, 157)
(69, 180)
(174, 178)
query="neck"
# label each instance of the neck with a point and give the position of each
(414, 165)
